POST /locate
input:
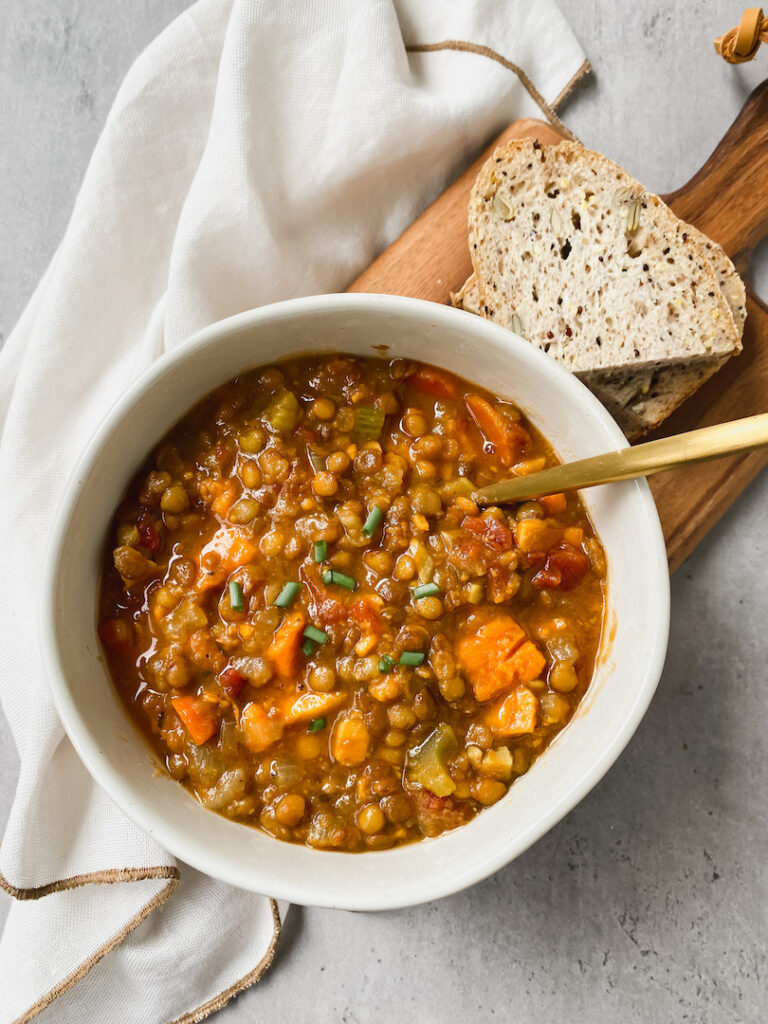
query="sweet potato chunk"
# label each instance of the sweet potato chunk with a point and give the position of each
(515, 714)
(528, 662)
(259, 731)
(554, 503)
(498, 657)
(226, 551)
(350, 741)
(536, 535)
(313, 705)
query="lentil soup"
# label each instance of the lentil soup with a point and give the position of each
(316, 627)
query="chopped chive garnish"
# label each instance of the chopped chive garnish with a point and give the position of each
(287, 594)
(236, 596)
(321, 550)
(339, 578)
(374, 518)
(386, 664)
(308, 648)
(316, 725)
(412, 657)
(342, 580)
(313, 633)
(427, 590)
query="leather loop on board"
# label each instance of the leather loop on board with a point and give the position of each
(741, 43)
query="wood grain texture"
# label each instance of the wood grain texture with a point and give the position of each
(728, 200)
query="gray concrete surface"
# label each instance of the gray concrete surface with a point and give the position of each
(647, 904)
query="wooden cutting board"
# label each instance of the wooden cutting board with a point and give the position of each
(727, 200)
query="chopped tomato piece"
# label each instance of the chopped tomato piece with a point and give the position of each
(199, 717)
(117, 634)
(434, 382)
(366, 611)
(564, 568)
(148, 532)
(515, 714)
(494, 534)
(507, 437)
(285, 650)
(437, 814)
(498, 657)
(323, 606)
(232, 681)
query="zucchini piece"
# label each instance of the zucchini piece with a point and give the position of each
(426, 764)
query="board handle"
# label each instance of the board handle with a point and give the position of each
(728, 198)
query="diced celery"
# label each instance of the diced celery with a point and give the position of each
(368, 423)
(463, 486)
(282, 413)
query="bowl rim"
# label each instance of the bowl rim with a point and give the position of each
(140, 810)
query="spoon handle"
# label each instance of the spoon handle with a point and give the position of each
(641, 460)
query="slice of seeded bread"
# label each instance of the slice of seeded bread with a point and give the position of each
(572, 253)
(636, 402)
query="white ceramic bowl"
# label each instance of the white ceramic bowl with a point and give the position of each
(628, 667)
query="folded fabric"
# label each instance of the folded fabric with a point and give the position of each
(256, 151)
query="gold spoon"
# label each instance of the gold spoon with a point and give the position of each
(642, 460)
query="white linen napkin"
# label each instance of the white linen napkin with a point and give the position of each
(256, 151)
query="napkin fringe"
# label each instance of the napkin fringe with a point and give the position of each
(77, 975)
(91, 878)
(221, 1000)
(485, 51)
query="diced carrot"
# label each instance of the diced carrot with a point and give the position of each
(515, 714)
(573, 535)
(313, 705)
(507, 437)
(199, 718)
(554, 502)
(528, 662)
(494, 534)
(485, 657)
(227, 550)
(536, 535)
(259, 731)
(350, 741)
(434, 382)
(285, 649)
